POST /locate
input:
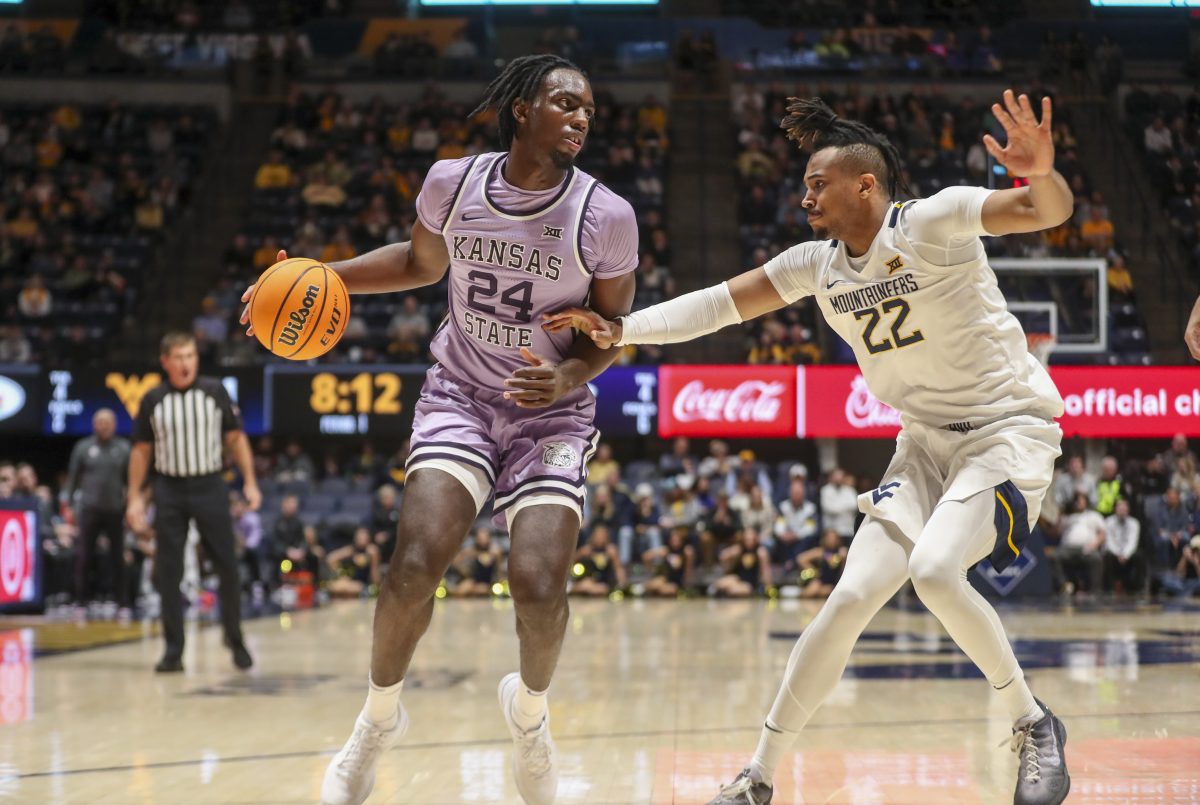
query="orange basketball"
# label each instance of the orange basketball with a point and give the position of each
(299, 308)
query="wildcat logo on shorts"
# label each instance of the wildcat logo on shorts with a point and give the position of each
(560, 454)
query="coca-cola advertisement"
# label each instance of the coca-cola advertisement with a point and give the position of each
(838, 403)
(732, 401)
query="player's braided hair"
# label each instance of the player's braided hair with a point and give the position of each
(521, 78)
(810, 122)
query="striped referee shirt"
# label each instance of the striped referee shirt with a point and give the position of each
(187, 426)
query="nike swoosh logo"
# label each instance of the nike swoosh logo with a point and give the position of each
(472, 218)
(835, 282)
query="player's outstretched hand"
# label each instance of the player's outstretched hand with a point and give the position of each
(249, 292)
(1030, 147)
(538, 385)
(604, 333)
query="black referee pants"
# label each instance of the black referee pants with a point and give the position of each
(94, 523)
(204, 499)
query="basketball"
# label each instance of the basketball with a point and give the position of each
(299, 309)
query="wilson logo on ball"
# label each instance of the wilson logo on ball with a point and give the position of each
(294, 326)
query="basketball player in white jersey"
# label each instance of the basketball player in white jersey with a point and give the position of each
(908, 286)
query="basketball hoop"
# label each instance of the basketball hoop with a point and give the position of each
(1041, 345)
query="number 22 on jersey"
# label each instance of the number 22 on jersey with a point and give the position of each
(897, 311)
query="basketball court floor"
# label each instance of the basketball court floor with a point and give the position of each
(654, 702)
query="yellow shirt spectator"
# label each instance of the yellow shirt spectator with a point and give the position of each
(336, 252)
(407, 186)
(24, 226)
(772, 353)
(1097, 232)
(1057, 237)
(148, 215)
(272, 175)
(451, 150)
(399, 136)
(652, 117)
(49, 152)
(67, 117)
(265, 255)
(1119, 278)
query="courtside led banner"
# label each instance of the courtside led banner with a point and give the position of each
(749, 401)
(834, 402)
(1125, 401)
(1099, 402)
(20, 581)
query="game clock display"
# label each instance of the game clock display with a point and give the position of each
(343, 400)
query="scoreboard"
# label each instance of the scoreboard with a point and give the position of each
(342, 400)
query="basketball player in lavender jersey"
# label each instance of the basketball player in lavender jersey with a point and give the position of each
(506, 411)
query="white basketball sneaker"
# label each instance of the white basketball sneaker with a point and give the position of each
(351, 774)
(533, 750)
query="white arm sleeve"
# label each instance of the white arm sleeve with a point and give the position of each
(689, 316)
(944, 228)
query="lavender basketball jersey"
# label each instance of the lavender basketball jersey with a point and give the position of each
(515, 255)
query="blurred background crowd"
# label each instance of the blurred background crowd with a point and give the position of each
(701, 519)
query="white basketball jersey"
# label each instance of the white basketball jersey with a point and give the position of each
(935, 342)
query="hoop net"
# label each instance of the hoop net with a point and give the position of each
(1041, 345)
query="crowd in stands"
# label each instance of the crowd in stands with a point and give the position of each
(1133, 526)
(24, 51)
(722, 524)
(86, 193)
(1166, 124)
(875, 50)
(342, 179)
(417, 56)
(191, 15)
(938, 38)
(885, 13)
(939, 137)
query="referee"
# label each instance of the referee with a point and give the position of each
(183, 424)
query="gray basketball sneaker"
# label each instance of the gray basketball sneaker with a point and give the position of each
(743, 791)
(1042, 777)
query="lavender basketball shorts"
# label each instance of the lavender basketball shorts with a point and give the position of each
(525, 456)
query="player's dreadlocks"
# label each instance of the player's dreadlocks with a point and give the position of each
(810, 122)
(520, 78)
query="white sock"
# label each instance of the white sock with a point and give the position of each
(1018, 698)
(772, 743)
(529, 708)
(382, 704)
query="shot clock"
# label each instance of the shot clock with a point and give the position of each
(343, 401)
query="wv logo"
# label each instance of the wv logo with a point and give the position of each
(1005, 581)
(882, 492)
(130, 389)
(552, 231)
